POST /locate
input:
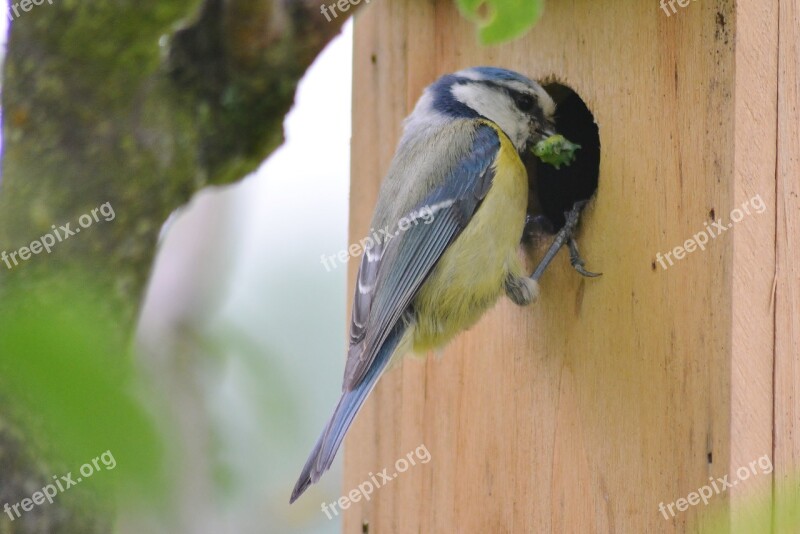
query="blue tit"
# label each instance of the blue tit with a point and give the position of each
(459, 160)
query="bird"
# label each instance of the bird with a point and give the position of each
(459, 160)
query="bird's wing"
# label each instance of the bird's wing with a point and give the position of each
(390, 275)
(392, 271)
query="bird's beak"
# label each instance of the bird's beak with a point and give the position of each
(540, 132)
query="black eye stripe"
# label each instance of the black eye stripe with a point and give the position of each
(515, 94)
(525, 102)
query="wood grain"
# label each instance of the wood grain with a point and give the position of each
(787, 270)
(753, 261)
(610, 396)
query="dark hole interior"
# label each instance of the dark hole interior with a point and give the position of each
(559, 189)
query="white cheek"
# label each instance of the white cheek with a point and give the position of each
(545, 102)
(499, 108)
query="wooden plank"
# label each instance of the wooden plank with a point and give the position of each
(608, 397)
(753, 259)
(787, 273)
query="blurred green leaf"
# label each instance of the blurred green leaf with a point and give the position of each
(501, 20)
(777, 511)
(68, 380)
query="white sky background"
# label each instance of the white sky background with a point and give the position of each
(281, 297)
(267, 406)
(294, 210)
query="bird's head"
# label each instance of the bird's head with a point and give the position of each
(519, 106)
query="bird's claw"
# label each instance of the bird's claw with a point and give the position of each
(577, 262)
(565, 237)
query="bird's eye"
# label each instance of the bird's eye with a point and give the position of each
(524, 102)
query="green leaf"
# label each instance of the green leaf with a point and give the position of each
(773, 509)
(68, 381)
(501, 20)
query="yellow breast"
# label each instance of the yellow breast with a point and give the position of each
(470, 275)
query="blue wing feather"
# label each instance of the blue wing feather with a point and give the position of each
(409, 259)
(324, 451)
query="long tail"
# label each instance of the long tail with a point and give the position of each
(327, 445)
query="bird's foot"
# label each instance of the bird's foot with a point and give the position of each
(565, 237)
(576, 261)
(522, 290)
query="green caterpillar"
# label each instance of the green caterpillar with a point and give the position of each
(555, 150)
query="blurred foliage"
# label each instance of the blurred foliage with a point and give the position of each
(67, 382)
(501, 20)
(777, 512)
(252, 373)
